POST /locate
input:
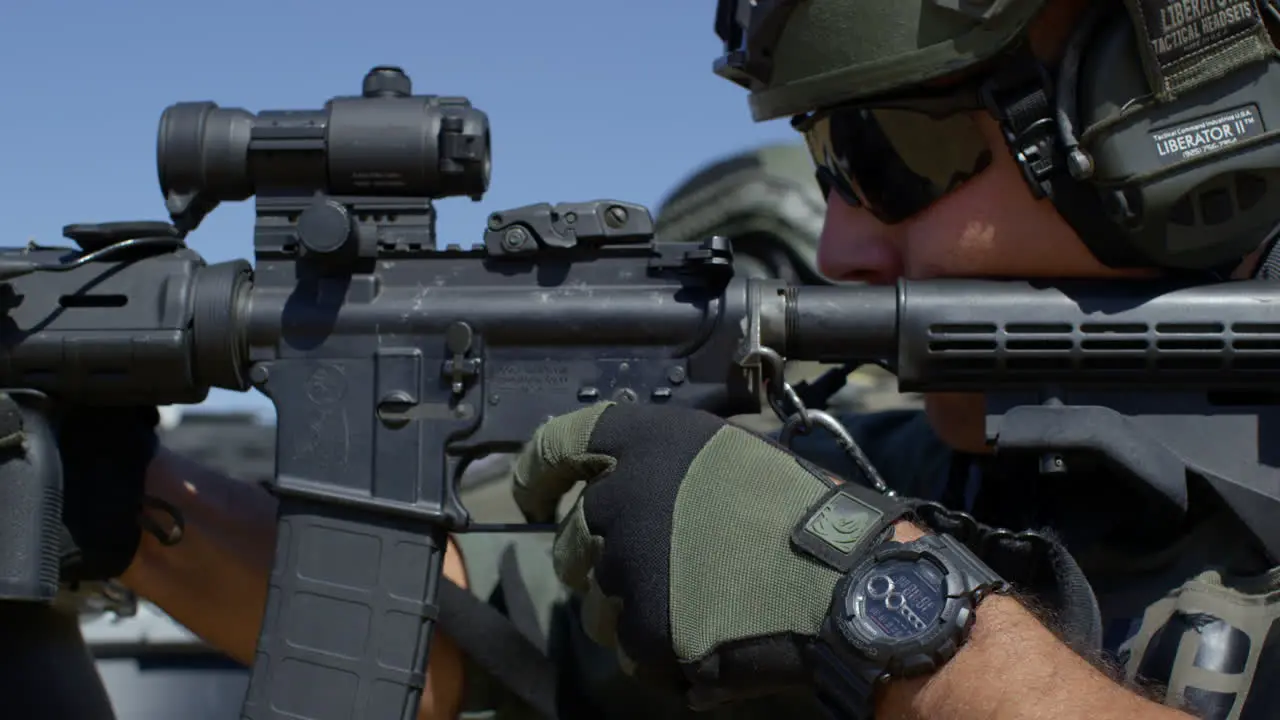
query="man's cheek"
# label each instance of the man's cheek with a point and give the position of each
(958, 419)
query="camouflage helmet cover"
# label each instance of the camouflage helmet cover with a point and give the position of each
(799, 55)
(767, 195)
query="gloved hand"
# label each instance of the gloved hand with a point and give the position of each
(680, 544)
(105, 453)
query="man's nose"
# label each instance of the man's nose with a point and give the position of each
(857, 247)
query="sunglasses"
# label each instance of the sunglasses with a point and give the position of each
(897, 157)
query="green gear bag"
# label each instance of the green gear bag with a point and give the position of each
(766, 200)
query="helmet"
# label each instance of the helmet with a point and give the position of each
(765, 200)
(797, 55)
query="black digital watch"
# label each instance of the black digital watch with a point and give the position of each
(899, 609)
(902, 612)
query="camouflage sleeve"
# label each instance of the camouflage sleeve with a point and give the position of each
(498, 564)
(899, 443)
(513, 571)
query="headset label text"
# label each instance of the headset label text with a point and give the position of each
(1208, 135)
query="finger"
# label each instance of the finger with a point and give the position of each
(555, 460)
(600, 615)
(625, 663)
(576, 550)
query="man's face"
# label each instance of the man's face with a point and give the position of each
(991, 226)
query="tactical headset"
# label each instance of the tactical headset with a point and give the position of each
(1167, 128)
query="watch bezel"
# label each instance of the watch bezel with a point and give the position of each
(924, 652)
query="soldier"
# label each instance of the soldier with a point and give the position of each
(701, 564)
(963, 140)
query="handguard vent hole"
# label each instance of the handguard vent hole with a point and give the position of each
(93, 301)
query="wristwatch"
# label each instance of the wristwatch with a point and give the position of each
(903, 611)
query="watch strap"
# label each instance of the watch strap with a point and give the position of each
(842, 528)
(846, 690)
(1033, 562)
(979, 579)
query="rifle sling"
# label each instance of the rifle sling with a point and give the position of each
(497, 645)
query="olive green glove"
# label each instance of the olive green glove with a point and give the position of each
(681, 545)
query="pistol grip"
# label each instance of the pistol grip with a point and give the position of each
(349, 613)
(30, 512)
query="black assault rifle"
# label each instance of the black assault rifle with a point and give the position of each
(391, 363)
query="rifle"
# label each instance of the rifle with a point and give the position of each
(1169, 383)
(391, 363)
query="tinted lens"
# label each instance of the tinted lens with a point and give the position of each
(894, 162)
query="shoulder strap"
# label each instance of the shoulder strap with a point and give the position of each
(515, 602)
(495, 644)
(1020, 98)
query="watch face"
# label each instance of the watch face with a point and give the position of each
(900, 599)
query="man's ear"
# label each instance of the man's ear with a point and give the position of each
(1052, 28)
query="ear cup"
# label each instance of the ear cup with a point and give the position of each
(1219, 200)
(1189, 184)
(1110, 78)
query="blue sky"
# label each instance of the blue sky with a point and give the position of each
(587, 99)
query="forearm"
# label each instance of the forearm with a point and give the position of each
(1013, 668)
(214, 581)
